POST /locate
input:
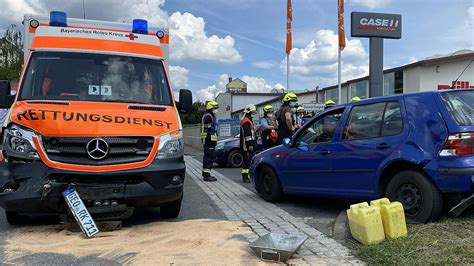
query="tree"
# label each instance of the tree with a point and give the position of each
(195, 116)
(11, 53)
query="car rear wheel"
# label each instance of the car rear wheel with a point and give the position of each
(235, 159)
(171, 210)
(421, 200)
(270, 186)
(14, 218)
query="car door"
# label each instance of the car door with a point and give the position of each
(307, 168)
(371, 134)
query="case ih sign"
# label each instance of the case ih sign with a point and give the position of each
(376, 25)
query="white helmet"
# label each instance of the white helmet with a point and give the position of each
(250, 108)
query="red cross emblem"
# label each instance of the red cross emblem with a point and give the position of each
(131, 36)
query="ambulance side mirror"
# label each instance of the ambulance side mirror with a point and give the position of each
(6, 99)
(185, 101)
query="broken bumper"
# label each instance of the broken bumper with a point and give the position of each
(36, 189)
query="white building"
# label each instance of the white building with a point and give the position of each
(433, 73)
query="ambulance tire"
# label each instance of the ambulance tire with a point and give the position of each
(269, 184)
(172, 210)
(14, 218)
(421, 199)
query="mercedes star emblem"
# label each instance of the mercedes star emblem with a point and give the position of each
(97, 148)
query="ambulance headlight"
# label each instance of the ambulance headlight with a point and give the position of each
(57, 19)
(140, 26)
(171, 145)
(19, 142)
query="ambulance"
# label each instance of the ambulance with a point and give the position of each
(94, 112)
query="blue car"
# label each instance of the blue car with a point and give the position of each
(228, 152)
(414, 148)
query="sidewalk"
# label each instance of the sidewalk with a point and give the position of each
(239, 203)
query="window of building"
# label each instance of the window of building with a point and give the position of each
(332, 95)
(398, 81)
(389, 83)
(359, 89)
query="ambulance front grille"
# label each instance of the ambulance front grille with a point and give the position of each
(121, 150)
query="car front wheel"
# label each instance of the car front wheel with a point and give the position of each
(270, 186)
(421, 200)
(235, 159)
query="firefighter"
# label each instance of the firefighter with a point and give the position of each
(285, 118)
(299, 117)
(209, 139)
(247, 140)
(329, 103)
(268, 128)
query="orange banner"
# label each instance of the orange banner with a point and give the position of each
(340, 26)
(289, 18)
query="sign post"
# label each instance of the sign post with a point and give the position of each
(376, 26)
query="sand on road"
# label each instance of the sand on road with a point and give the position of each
(173, 242)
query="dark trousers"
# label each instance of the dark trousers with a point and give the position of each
(208, 160)
(246, 163)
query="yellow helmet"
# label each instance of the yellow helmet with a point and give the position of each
(268, 108)
(250, 108)
(290, 97)
(329, 103)
(212, 105)
(355, 99)
(300, 109)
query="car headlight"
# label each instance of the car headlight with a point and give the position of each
(220, 146)
(171, 145)
(19, 142)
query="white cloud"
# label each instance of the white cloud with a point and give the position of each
(470, 15)
(188, 32)
(371, 4)
(256, 84)
(179, 77)
(190, 41)
(318, 60)
(264, 64)
(208, 93)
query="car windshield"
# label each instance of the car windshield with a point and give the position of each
(460, 105)
(95, 77)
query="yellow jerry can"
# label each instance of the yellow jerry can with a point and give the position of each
(365, 223)
(393, 217)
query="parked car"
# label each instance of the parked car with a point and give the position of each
(414, 148)
(228, 152)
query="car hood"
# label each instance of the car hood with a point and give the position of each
(72, 118)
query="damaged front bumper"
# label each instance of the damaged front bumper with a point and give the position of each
(36, 189)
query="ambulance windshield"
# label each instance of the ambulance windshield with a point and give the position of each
(95, 77)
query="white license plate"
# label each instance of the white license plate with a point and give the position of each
(80, 212)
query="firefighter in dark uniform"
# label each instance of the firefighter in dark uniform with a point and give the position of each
(209, 139)
(286, 122)
(247, 140)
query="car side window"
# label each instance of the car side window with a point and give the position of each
(321, 130)
(374, 120)
(392, 120)
(364, 121)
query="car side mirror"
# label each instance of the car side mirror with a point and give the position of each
(6, 99)
(286, 141)
(185, 101)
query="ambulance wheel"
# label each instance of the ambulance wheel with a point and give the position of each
(172, 210)
(421, 200)
(14, 218)
(235, 159)
(270, 186)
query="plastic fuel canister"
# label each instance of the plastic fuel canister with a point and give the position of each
(393, 217)
(365, 223)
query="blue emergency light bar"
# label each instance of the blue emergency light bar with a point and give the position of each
(140, 26)
(57, 19)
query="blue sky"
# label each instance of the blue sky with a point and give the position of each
(249, 39)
